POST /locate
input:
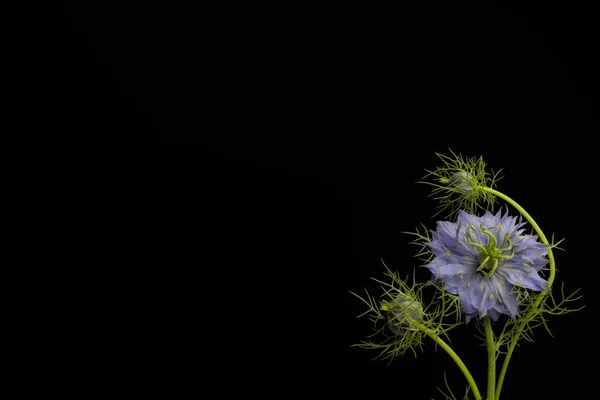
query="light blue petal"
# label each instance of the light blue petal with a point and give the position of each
(437, 247)
(520, 275)
(493, 314)
(482, 294)
(489, 219)
(509, 305)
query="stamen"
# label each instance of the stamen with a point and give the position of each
(493, 242)
(491, 271)
(483, 264)
(472, 243)
(510, 246)
(506, 256)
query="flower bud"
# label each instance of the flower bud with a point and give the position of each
(462, 181)
(401, 311)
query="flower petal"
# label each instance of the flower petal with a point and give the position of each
(535, 263)
(494, 314)
(456, 270)
(509, 304)
(467, 308)
(531, 251)
(482, 294)
(519, 275)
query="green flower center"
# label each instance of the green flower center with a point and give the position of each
(490, 255)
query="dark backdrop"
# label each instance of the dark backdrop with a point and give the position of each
(292, 136)
(274, 247)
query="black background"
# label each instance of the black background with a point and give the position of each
(292, 137)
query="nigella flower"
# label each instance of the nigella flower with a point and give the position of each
(481, 259)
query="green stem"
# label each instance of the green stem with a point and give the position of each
(491, 350)
(521, 326)
(452, 355)
(533, 224)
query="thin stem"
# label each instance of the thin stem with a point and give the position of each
(452, 355)
(491, 352)
(521, 326)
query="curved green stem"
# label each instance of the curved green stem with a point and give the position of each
(491, 351)
(452, 355)
(521, 326)
(535, 227)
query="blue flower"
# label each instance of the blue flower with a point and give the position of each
(481, 259)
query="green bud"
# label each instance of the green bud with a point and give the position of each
(463, 181)
(401, 311)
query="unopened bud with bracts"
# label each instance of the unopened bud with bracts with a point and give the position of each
(401, 319)
(402, 313)
(463, 182)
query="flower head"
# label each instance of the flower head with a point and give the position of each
(460, 183)
(481, 259)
